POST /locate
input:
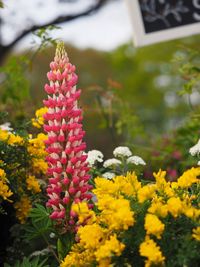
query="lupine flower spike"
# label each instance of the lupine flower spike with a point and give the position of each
(68, 169)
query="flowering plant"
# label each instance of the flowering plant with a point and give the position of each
(119, 220)
(135, 223)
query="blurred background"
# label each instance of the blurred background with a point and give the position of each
(140, 97)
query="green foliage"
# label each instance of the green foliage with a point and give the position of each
(45, 39)
(1, 4)
(188, 61)
(29, 263)
(15, 86)
(40, 224)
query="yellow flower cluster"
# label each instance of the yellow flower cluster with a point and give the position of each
(153, 225)
(10, 138)
(38, 121)
(119, 204)
(196, 233)
(36, 148)
(151, 251)
(22, 208)
(115, 215)
(5, 192)
(32, 184)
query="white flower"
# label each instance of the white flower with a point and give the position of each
(42, 252)
(94, 156)
(122, 151)
(198, 163)
(195, 149)
(111, 162)
(136, 160)
(6, 127)
(52, 235)
(108, 175)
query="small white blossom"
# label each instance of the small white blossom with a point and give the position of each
(108, 175)
(94, 156)
(111, 162)
(40, 252)
(6, 127)
(195, 149)
(198, 163)
(136, 160)
(52, 235)
(122, 151)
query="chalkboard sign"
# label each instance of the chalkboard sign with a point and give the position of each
(161, 20)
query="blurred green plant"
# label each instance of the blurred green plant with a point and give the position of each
(29, 263)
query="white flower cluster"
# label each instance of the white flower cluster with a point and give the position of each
(111, 162)
(94, 156)
(195, 150)
(122, 151)
(136, 160)
(108, 175)
(6, 127)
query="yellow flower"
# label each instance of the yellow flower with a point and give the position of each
(152, 252)
(175, 206)
(78, 258)
(120, 185)
(2, 174)
(110, 247)
(38, 121)
(15, 140)
(158, 207)
(5, 192)
(196, 233)
(39, 165)
(190, 211)
(36, 146)
(153, 225)
(93, 239)
(32, 184)
(189, 177)
(146, 192)
(162, 184)
(22, 208)
(4, 135)
(84, 213)
(116, 213)
(104, 185)
(10, 138)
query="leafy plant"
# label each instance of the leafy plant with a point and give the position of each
(29, 263)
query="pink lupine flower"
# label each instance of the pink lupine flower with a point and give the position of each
(67, 166)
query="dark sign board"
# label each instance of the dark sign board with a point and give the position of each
(160, 20)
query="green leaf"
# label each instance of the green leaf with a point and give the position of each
(28, 263)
